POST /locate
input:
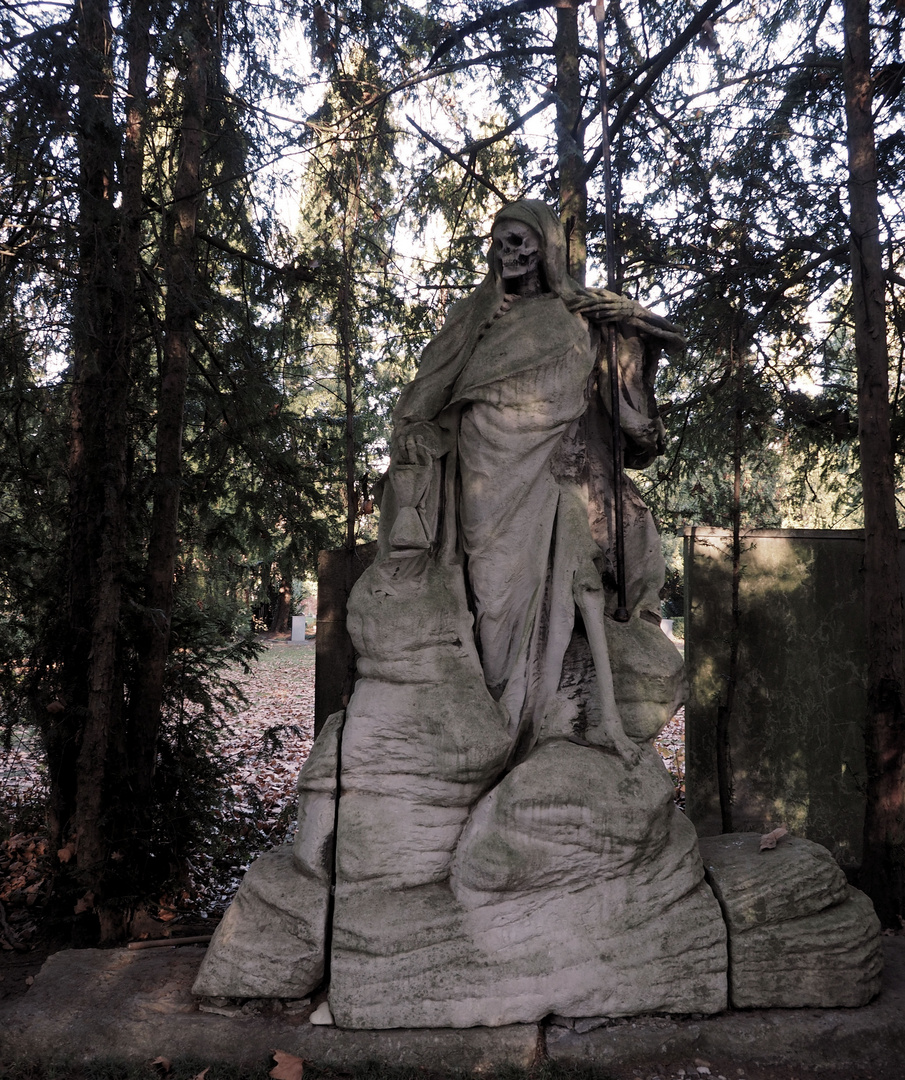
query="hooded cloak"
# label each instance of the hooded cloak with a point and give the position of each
(444, 357)
(505, 395)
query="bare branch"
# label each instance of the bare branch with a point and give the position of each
(468, 166)
(655, 67)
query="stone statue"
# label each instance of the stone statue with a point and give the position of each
(497, 832)
(497, 444)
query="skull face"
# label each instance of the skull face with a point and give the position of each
(518, 247)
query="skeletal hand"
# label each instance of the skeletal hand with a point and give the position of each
(604, 308)
(508, 300)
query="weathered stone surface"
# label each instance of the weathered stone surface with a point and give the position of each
(566, 816)
(577, 888)
(799, 936)
(797, 740)
(648, 683)
(112, 1003)
(423, 740)
(828, 960)
(271, 940)
(648, 677)
(754, 887)
(313, 843)
(859, 1042)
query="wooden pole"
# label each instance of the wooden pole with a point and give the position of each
(621, 613)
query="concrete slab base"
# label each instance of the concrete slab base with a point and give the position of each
(138, 1006)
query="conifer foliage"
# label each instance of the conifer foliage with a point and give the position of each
(153, 455)
(197, 395)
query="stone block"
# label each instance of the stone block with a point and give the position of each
(271, 940)
(799, 936)
(796, 740)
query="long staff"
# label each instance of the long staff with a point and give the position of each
(621, 613)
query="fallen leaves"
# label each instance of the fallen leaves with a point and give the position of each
(84, 903)
(24, 882)
(287, 1066)
(670, 745)
(266, 743)
(23, 773)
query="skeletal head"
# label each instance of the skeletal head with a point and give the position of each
(518, 247)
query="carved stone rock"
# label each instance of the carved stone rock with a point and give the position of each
(576, 888)
(799, 935)
(270, 942)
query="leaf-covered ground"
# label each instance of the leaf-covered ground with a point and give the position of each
(265, 744)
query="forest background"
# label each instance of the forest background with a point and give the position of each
(229, 229)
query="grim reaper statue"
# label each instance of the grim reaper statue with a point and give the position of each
(501, 460)
(497, 833)
(486, 835)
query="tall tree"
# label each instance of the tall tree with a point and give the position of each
(92, 672)
(182, 303)
(883, 862)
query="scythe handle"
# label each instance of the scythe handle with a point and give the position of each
(621, 613)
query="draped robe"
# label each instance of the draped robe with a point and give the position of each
(502, 397)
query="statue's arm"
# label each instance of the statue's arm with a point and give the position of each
(641, 337)
(417, 442)
(601, 306)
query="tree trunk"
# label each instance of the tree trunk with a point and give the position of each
(179, 322)
(83, 747)
(282, 607)
(883, 865)
(573, 190)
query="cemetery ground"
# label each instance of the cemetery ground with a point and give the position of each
(266, 741)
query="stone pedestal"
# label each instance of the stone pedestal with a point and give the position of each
(472, 888)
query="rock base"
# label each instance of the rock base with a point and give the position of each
(799, 935)
(594, 915)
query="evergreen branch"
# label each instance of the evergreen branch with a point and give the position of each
(378, 97)
(301, 273)
(518, 7)
(450, 69)
(839, 254)
(36, 35)
(468, 166)
(655, 67)
(482, 144)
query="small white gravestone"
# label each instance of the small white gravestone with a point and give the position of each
(298, 627)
